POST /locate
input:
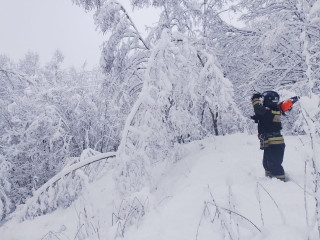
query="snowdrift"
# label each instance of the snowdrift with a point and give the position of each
(217, 191)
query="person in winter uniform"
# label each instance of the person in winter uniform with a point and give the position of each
(268, 117)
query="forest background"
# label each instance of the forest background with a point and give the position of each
(191, 76)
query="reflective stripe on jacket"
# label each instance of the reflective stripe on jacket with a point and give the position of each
(269, 124)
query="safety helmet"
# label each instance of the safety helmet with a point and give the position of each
(270, 99)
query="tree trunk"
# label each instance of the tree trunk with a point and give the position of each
(214, 121)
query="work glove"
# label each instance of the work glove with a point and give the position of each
(256, 95)
(255, 118)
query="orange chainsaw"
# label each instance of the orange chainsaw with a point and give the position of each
(286, 105)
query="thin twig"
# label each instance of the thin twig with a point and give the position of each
(229, 211)
(232, 206)
(304, 192)
(281, 214)
(204, 211)
(78, 231)
(260, 207)
(238, 214)
(223, 223)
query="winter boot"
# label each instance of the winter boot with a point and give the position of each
(268, 174)
(281, 177)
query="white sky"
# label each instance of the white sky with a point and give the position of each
(44, 26)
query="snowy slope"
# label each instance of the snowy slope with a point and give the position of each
(217, 191)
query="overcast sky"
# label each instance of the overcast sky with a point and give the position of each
(43, 26)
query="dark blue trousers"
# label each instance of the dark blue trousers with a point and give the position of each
(273, 158)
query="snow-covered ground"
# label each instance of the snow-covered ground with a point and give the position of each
(217, 191)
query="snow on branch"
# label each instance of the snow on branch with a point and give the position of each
(88, 4)
(60, 190)
(75, 167)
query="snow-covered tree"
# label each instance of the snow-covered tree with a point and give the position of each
(88, 4)
(286, 33)
(30, 65)
(5, 187)
(149, 136)
(167, 110)
(219, 111)
(152, 96)
(48, 114)
(123, 59)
